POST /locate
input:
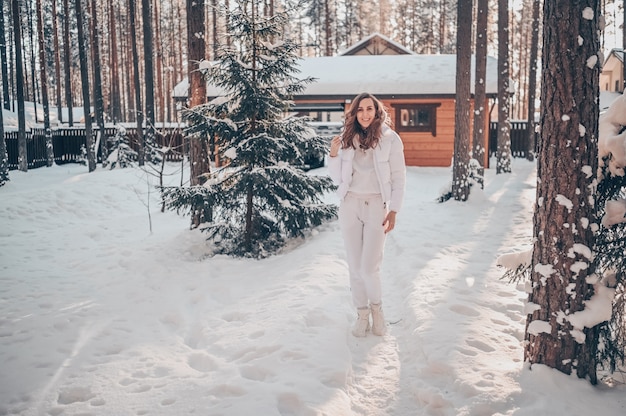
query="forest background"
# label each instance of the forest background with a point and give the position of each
(321, 27)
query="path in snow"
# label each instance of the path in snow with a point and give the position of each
(435, 284)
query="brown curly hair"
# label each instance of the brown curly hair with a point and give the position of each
(367, 138)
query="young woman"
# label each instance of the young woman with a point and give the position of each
(367, 164)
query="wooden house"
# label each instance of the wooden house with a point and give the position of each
(417, 90)
(612, 75)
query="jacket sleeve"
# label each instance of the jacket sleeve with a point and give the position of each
(334, 168)
(398, 174)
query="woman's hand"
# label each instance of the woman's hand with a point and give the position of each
(390, 221)
(335, 145)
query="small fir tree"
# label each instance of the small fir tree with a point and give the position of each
(610, 246)
(260, 197)
(121, 155)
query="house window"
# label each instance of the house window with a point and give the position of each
(416, 118)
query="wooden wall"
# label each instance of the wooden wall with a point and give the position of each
(422, 148)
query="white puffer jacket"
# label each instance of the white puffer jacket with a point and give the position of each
(388, 163)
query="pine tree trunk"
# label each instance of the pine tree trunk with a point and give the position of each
(327, 29)
(148, 50)
(44, 86)
(532, 81)
(564, 217)
(57, 61)
(3, 58)
(215, 29)
(97, 87)
(129, 113)
(67, 50)
(160, 107)
(197, 92)
(503, 153)
(442, 26)
(115, 111)
(19, 81)
(33, 64)
(181, 36)
(227, 19)
(519, 56)
(84, 78)
(197, 83)
(480, 96)
(4, 157)
(624, 47)
(460, 182)
(137, 84)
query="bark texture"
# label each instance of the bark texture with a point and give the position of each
(564, 215)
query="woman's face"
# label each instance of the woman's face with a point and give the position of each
(366, 112)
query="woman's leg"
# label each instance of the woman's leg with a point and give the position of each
(373, 247)
(352, 232)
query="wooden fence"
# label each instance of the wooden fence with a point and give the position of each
(519, 138)
(68, 144)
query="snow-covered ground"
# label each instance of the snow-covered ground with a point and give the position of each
(101, 316)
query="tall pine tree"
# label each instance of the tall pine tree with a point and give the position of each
(4, 157)
(260, 197)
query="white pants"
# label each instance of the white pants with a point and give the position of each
(361, 222)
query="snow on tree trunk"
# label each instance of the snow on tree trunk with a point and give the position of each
(532, 81)
(480, 96)
(4, 62)
(503, 153)
(564, 220)
(460, 173)
(4, 157)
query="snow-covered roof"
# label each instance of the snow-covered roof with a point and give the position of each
(383, 75)
(393, 46)
(181, 90)
(618, 52)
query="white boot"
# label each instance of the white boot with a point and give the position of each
(378, 319)
(362, 324)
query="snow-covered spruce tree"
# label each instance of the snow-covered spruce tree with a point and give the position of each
(610, 244)
(260, 197)
(121, 155)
